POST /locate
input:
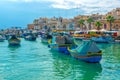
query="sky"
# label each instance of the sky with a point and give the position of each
(19, 13)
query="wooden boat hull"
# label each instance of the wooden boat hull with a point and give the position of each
(90, 59)
(79, 38)
(31, 39)
(60, 48)
(117, 41)
(14, 42)
(97, 41)
(102, 39)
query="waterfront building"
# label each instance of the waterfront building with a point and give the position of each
(52, 23)
(30, 26)
(63, 23)
(115, 13)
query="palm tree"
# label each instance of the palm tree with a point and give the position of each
(81, 22)
(98, 24)
(89, 20)
(110, 19)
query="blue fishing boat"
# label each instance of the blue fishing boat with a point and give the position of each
(87, 51)
(14, 41)
(116, 40)
(61, 43)
(30, 37)
(45, 37)
(102, 39)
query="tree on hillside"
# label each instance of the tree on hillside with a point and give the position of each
(81, 22)
(90, 20)
(98, 24)
(110, 19)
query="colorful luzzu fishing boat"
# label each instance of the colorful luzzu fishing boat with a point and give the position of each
(45, 38)
(30, 37)
(61, 43)
(88, 51)
(13, 41)
(102, 39)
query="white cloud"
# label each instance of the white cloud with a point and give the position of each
(88, 6)
(23, 0)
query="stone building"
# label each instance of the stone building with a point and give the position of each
(63, 23)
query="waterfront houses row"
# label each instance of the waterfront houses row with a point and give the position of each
(64, 23)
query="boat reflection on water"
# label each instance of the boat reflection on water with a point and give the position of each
(91, 71)
(13, 53)
(68, 68)
(13, 48)
(61, 65)
(17, 46)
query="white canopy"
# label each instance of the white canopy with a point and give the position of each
(93, 30)
(103, 30)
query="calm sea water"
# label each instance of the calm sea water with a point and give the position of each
(35, 61)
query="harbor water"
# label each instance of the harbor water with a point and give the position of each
(35, 61)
